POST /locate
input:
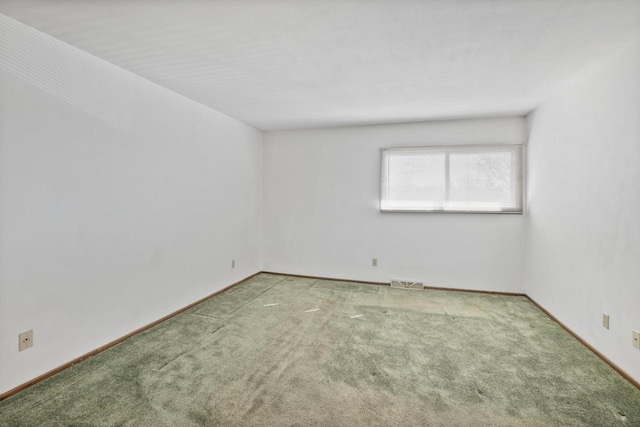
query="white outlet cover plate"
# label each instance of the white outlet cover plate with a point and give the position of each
(25, 340)
(605, 320)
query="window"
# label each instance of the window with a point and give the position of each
(484, 178)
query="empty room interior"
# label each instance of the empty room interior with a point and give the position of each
(320, 213)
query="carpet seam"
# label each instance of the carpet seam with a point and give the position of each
(244, 305)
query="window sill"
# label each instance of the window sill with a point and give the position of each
(440, 211)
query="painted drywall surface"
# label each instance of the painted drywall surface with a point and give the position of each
(583, 228)
(321, 210)
(120, 202)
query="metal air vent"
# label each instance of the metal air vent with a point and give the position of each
(407, 284)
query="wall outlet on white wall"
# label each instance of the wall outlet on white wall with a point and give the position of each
(605, 320)
(636, 339)
(374, 262)
(25, 340)
(233, 263)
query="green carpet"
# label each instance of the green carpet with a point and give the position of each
(369, 356)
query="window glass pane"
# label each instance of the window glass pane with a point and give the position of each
(480, 181)
(417, 180)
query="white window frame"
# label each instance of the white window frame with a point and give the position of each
(517, 149)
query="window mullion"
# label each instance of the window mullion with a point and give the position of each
(447, 178)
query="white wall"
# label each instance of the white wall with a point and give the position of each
(321, 210)
(583, 225)
(120, 202)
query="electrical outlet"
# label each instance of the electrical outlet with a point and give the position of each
(605, 320)
(636, 339)
(233, 263)
(374, 262)
(25, 340)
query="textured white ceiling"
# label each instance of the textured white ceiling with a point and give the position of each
(292, 64)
